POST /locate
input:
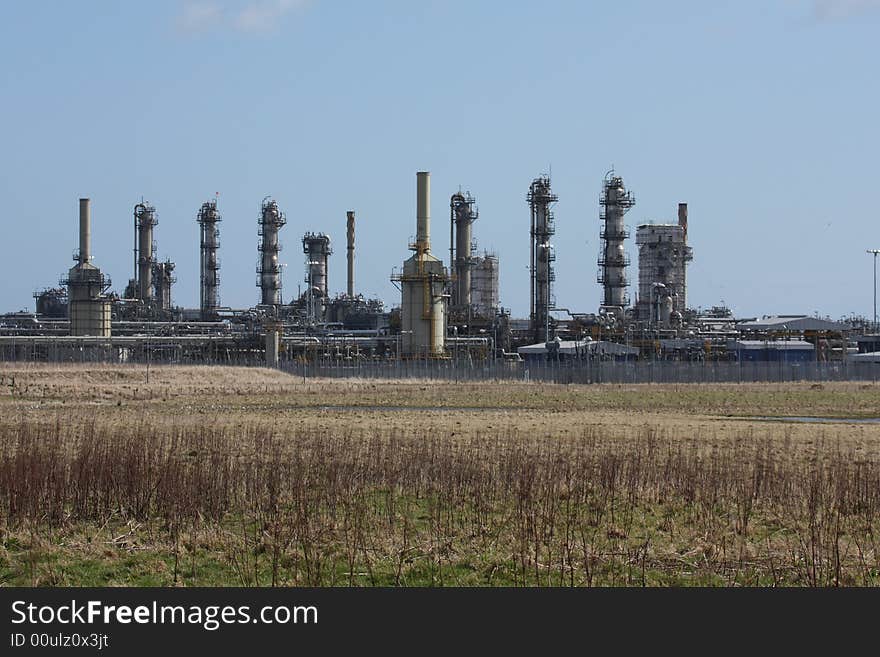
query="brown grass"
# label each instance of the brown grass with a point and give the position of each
(223, 475)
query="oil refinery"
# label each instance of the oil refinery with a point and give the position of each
(447, 311)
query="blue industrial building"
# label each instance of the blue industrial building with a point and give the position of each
(788, 351)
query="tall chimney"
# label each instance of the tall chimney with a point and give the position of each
(85, 236)
(350, 233)
(683, 217)
(423, 212)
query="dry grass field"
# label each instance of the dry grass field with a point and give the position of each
(112, 475)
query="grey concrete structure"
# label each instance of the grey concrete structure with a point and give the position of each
(663, 258)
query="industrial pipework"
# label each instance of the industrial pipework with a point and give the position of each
(350, 235)
(616, 201)
(462, 214)
(269, 269)
(144, 248)
(88, 307)
(209, 265)
(540, 199)
(163, 279)
(485, 299)
(423, 302)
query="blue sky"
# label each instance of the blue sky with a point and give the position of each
(762, 115)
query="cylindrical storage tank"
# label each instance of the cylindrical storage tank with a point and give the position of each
(423, 309)
(90, 317)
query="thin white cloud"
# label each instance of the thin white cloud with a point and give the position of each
(199, 16)
(827, 10)
(263, 15)
(249, 16)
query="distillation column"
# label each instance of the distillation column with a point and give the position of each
(462, 214)
(269, 269)
(317, 250)
(540, 199)
(689, 255)
(209, 265)
(350, 236)
(616, 201)
(144, 223)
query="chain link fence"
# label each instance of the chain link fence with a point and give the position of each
(250, 353)
(593, 371)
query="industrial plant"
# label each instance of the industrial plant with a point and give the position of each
(447, 312)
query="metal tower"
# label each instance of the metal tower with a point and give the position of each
(349, 233)
(144, 250)
(269, 269)
(462, 214)
(613, 259)
(209, 264)
(540, 199)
